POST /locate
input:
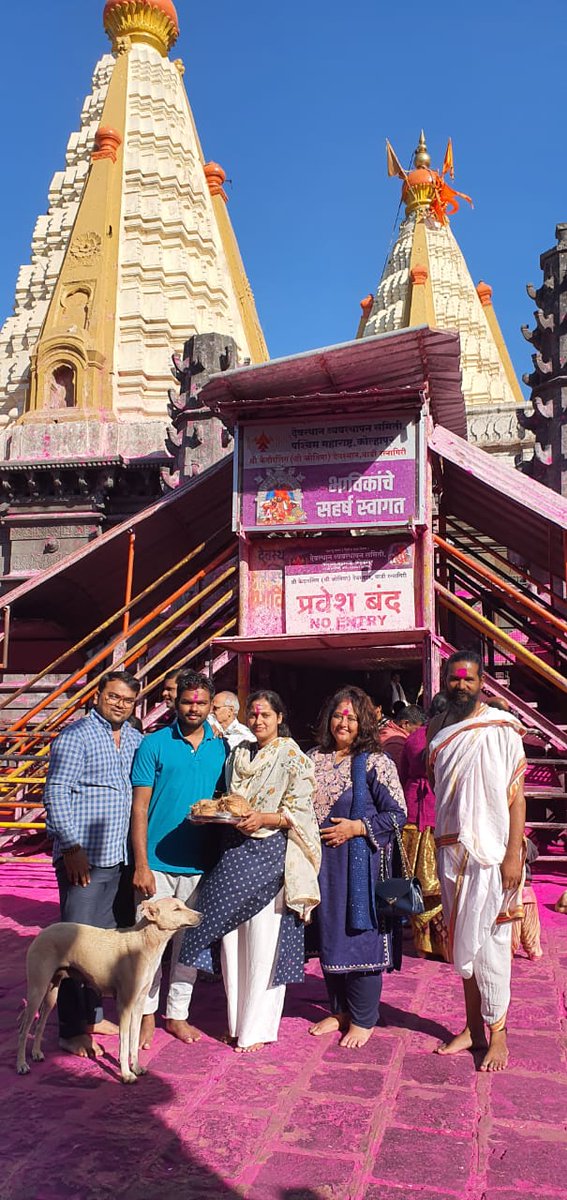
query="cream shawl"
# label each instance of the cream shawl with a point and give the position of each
(281, 778)
(477, 764)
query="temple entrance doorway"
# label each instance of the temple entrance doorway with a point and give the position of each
(304, 687)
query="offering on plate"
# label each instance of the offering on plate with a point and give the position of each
(205, 808)
(234, 804)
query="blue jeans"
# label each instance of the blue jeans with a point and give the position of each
(79, 1005)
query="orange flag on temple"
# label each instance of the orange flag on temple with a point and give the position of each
(448, 164)
(393, 163)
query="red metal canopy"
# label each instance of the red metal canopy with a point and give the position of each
(392, 369)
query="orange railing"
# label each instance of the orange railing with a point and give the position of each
(212, 589)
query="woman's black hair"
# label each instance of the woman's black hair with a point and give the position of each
(367, 736)
(276, 704)
(438, 705)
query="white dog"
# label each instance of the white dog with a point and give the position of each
(120, 963)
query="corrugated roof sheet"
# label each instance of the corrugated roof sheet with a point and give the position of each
(396, 366)
(514, 510)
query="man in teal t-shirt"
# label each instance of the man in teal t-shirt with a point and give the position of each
(172, 769)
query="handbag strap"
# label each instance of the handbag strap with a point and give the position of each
(406, 872)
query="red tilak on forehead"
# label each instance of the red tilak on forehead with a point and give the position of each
(195, 696)
(461, 672)
(345, 712)
(257, 711)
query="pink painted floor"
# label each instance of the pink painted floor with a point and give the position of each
(304, 1120)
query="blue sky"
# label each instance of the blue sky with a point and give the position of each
(296, 102)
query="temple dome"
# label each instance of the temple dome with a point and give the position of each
(152, 21)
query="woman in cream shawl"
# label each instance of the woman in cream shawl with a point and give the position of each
(264, 887)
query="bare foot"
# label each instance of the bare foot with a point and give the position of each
(355, 1037)
(462, 1041)
(147, 1030)
(182, 1030)
(228, 1039)
(103, 1028)
(249, 1049)
(496, 1058)
(82, 1046)
(330, 1025)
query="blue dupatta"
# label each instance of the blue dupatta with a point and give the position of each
(361, 909)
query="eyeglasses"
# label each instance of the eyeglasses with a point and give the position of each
(349, 720)
(119, 700)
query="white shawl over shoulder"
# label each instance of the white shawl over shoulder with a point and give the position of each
(477, 764)
(281, 778)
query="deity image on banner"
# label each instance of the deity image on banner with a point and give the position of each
(279, 499)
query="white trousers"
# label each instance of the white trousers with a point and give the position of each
(248, 957)
(181, 978)
(473, 897)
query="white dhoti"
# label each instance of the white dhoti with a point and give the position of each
(478, 764)
(248, 959)
(480, 943)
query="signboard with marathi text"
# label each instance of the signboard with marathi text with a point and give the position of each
(327, 474)
(301, 589)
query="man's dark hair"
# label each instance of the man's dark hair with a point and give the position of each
(120, 677)
(471, 656)
(367, 736)
(439, 704)
(412, 713)
(191, 680)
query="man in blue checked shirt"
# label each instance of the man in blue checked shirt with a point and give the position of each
(88, 797)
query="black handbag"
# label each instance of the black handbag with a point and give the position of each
(399, 896)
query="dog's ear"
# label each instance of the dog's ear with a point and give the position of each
(149, 910)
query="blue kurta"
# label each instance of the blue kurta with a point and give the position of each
(341, 950)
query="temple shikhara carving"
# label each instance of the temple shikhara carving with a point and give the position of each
(546, 417)
(135, 256)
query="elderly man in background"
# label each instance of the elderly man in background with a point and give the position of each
(224, 718)
(477, 764)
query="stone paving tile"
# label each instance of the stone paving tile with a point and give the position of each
(441, 1161)
(302, 1177)
(380, 1191)
(380, 1049)
(444, 1070)
(530, 1098)
(363, 1083)
(534, 1052)
(525, 1163)
(323, 1126)
(425, 1108)
(225, 1142)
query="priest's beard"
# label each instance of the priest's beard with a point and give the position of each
(462, 704)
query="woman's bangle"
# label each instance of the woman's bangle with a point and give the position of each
(280, 820)
(362, 828)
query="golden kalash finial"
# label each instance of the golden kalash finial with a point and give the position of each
(425, 188)
(154, 22)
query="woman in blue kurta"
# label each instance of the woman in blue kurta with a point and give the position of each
(358, 800)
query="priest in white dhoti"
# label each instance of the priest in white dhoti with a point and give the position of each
(477, 764)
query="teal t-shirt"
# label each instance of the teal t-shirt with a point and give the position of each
(178, 776)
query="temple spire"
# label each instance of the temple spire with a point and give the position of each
(426, 282)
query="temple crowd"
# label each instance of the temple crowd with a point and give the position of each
(305, 865)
